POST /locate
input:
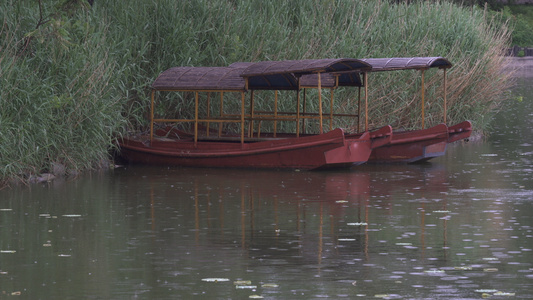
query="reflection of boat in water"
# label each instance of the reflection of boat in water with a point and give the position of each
(293, 216)
(212, 137)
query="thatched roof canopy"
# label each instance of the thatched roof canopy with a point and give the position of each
(352, 78)
(406, 63)
(284, 74)
(200, 78)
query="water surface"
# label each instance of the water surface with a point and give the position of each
(457, 228)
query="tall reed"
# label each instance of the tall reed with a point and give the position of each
(72, 83)
(59, 107)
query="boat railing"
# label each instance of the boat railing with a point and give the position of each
(281, 116)
(257, 118)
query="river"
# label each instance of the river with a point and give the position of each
(459, 227)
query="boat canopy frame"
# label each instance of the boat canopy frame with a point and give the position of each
(296, 75)
(421, 64)
(242, 77)
(415, 63)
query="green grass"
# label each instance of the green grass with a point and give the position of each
(73, 77)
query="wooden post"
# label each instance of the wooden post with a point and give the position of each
(208, 112)
(423, 91)
(221, 113)
(365, 74)
(242, 118)
(152, 118)
(195, 119)
(304, 108)
(320, 102)
(445, 101)
(359, 111)
(298, 111)
(275, 112)
(251, 128)
(331, 111)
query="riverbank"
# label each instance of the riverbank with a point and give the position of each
(68, 88)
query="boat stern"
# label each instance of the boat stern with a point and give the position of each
(354, 151)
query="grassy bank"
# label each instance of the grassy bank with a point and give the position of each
(74, 76)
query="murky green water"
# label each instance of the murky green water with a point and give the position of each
(458, 228)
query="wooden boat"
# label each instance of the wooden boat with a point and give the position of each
(423, 144)
(205, 138)
(413, 145)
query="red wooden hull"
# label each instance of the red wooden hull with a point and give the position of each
(332, 149)
(420, 145)
(460, 131)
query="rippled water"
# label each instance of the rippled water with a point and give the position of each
(458, 228)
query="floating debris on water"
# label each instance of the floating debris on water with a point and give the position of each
(486, 291)
(463, 268)
(72, 216)
(215, 279)
(246, 287)
(442, 211)
(64, 255)
(242, 282)
(490, 258)
(6, 209)
(346, 240)
(269, 285)
(8, 251)
(255, 297)
(435, 271)
(503, 294)
(404, 244)
(490, 270)
(489, 155)
(341, 201)
(358, 224)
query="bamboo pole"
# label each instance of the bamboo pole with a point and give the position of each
(152, 117)
(423, 92)
(445, 101)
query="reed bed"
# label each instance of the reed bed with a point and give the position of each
(70, 85)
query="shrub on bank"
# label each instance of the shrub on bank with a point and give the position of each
(74, 76)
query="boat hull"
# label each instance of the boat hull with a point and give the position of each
(420, 145)
(327, 150)
(459, 131)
